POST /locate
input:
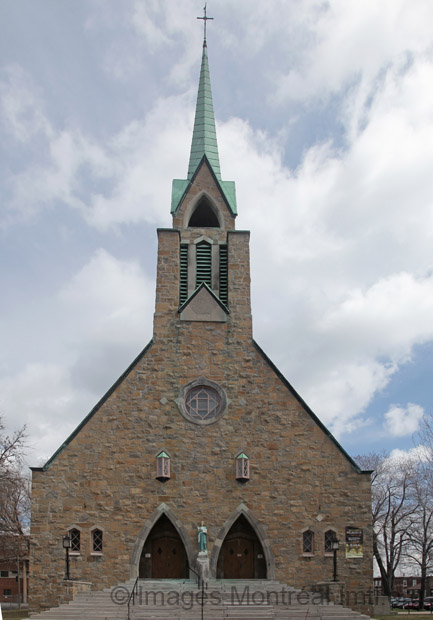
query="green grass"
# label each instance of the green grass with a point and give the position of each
(15, 614)
(402, 616)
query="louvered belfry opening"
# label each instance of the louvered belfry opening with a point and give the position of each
(203, 271)
(203, 216)
(224, 270)
(204, 266)
(183, 280)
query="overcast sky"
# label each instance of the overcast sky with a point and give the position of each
(324, 116)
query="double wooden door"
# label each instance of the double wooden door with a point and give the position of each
(238, 559)
(168, 558)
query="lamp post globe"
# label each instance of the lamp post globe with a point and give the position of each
(66, 546)
(335, 544)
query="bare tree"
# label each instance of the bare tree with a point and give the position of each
(419, 549)
(15, 504)
(424, 437)
(12, 448)
(14, 497)
(393, 511)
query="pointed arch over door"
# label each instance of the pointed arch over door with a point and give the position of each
(163, 549)
(242, 549)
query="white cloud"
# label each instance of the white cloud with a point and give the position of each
(413, 455)
(351, 41)
(68, 155)
(147, 156)
(130, 174)
(341, 246)
(96, 325)
(402, 421)
(378, 318)
(144, 18)
(41, 396)
(21, 105)
(106, 302)
(347, 238)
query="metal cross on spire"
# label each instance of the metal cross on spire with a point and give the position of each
(204, 18)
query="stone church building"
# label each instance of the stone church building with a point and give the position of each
(202, 430)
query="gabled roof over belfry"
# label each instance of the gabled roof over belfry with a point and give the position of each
(203, 305)
(204, 146)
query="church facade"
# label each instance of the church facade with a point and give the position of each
(201, 456)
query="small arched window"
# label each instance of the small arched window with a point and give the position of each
(75, 536)
(308, 542)
(203, 215)
(330, 536)
(97, 541)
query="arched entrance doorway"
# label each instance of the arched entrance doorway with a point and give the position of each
(241, 555)
(164, 555)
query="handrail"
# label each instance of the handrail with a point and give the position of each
(196, 574)
(200, 581)
(132, 596)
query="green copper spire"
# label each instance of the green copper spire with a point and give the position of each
(204, 140)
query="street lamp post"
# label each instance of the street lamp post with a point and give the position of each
(335, 547)
(66, 547)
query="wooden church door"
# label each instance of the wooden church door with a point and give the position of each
(239, 559)
(164, 555)
(168, 558)
(241, 555)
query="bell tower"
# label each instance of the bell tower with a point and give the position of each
(203, 262)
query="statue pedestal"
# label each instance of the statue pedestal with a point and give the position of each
(203, 566)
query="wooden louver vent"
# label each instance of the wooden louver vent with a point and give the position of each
(224, 283)
(183, 293)
(203, 264)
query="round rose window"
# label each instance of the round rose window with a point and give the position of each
(202, 401)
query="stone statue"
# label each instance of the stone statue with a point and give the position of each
(202, 538)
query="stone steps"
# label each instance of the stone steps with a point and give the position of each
(181, 600)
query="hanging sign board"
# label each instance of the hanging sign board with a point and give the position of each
(354, 542)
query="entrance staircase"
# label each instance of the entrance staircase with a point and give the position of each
(181, 600)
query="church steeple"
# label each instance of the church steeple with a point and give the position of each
(204, 146)
(204, 139)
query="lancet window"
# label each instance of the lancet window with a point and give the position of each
(308, 541)
(329, 538)
(97, 541)
(75, 536)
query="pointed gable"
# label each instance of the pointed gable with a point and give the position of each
(203, 305)
(180, 188)
(203, 183)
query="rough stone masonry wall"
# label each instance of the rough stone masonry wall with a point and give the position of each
(105, 477)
